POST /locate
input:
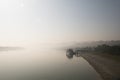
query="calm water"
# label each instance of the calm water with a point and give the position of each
(44, 64)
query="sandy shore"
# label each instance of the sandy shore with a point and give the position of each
(108, 69)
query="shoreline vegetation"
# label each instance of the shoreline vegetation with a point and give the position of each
(107, 51)
(102, 49)
(104, 58)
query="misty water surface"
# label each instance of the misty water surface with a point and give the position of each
(46, 63)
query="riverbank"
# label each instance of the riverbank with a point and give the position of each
(108, 69)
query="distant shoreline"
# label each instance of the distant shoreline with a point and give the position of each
(9, 48)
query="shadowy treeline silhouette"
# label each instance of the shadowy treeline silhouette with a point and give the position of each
(100, 49)
(104, 48)
(114, 50)
(70, 53)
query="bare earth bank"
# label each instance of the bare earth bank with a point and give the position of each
(107, 68)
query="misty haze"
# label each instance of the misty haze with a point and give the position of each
(59, 40)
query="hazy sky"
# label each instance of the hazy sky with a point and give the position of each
(37, 21)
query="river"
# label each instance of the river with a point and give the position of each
(44, 64)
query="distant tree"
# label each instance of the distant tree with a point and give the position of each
(108, 49)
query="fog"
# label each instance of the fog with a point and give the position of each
(33, 22)
(34, 36)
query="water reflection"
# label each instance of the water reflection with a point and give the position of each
(37, 64)
(70, 53)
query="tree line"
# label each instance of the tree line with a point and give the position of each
(104, 48)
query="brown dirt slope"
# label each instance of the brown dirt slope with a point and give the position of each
(107, 68)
